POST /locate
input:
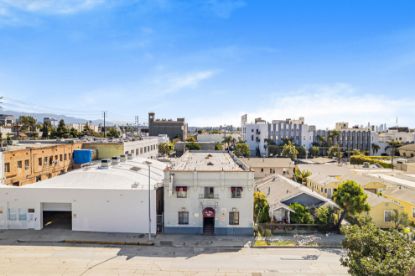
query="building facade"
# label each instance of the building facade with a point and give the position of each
(259, 134)
(208, 192)
(174, 129)
(146, 148)
(29, 163)
(111, 198)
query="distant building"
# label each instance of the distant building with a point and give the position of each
(259, 134)
(174, 129)
(264, 167)
(110, 197)
(32, 162)
(349, 138)
(208, 192)
(104, 149)
(7, 120)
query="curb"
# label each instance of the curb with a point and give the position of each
(108, 242)
(297, 246)
(91, 242)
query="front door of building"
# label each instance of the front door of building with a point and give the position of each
(209, 221)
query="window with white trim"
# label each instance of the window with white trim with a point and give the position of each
(183, 217)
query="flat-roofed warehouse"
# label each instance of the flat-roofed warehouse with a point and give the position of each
(103, 198)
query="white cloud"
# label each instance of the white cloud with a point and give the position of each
(50, 6)
(323, 105)
(176, 83)
(223, 8)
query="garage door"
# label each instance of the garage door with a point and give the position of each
(61, 207)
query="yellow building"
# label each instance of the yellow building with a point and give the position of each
(382, 210)
(405, 197)
(29, 163)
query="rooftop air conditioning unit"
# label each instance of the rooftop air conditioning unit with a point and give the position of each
(115, 160)
(105, 163)
(129, 156)
(123, 158)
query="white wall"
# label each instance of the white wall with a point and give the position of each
(92, 209)
(252, 135)
(222, 183)
(136, 148)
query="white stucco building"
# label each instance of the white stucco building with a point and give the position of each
(208, 192)
(110, 197)
(255, 135)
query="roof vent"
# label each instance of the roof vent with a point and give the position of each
(105, 163)
(115, 160)
(210, 164)
(136, 169)
(123, 158)
(129, 156)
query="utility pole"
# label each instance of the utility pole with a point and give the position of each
(137, 120)
(105, 113)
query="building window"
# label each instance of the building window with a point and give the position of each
(38, 178)
(234, 218)
(388, 215)
(209, 192)
(183, 217)
(19, 164)
(45, 160)
(236, 192)
(64, 157)
(12, 214)
(39, 161)
(181, 191)
(22, 215)
(26, 164)
(262, 169)
(60, 157)
(50, 160)
(7, 167)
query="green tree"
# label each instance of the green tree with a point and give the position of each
(335, 151)
(302, 152)
(113, 133)
(27, 125)
(372, 251)
(375, 148)
(242, 149)
(351, 199)
(301, 176)
(227, 141)
(261, 208)
(62, 131)
(166, 149)
(400, 219)
(46, 129)
(289, 150)
(218, 146)
(325, 215)
(191, 139)
(314, 151)
(74, 133)
(301, 214)
(193, 146)
(392, 146)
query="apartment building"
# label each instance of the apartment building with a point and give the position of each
(208, 192)
(349, 138)
(29, 163)
(173, 128)
(260, 133)
(105, 149)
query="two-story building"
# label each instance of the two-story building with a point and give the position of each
(208, 192)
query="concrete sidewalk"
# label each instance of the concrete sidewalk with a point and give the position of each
(48, 236)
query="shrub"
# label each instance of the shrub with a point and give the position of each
(301, 214)
(379, 160)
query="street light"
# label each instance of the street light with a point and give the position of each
(148, 163)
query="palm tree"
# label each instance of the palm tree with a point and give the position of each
(227, 140)
(301, 176)
(393, 145)
(375, 148)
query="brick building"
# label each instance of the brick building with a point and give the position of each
(28, 163)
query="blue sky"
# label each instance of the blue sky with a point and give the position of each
(211, 60)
